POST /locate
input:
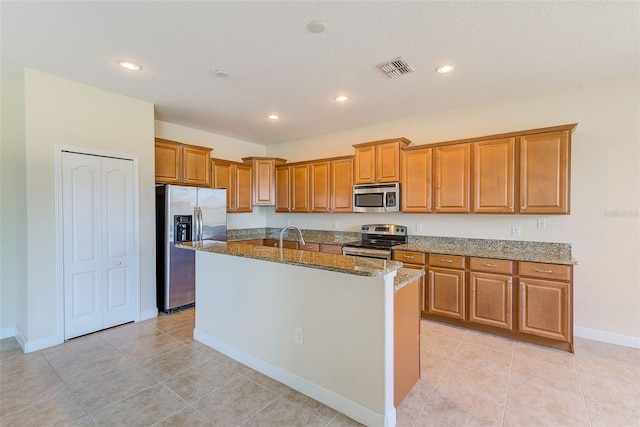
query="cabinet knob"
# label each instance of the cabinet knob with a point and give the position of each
(521, 283)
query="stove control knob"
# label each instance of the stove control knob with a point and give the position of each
(365, 228)
(401, 230)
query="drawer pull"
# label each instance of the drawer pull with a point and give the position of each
(538, 270)
(486, 264)
(445, 260)
(409, 256)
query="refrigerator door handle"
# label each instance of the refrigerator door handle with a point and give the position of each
(200, 224)
(196, 225)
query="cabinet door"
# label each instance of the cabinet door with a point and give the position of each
(300, 188)
(365, 165)
(490, 299)
(545, 309)
(416, 180)
(243, 193)
(493, 176)
(388, 162)
(452, 172)
(446, 296)
(196, 168)
(319, 186)
(263, 170)
(342, 185)
(168, 159)
(223, 177)
(544, 173)
(283, 189)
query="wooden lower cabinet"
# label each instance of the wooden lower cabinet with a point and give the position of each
(331, 249)
(525, 301)
(406, 341)
(490, 299)
(289, 244)
(255, 242)
(311, 247)
(446, 293)
(546, 305)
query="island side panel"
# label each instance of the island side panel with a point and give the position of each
(254, 306)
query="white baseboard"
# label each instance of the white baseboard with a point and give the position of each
(37, 344)
(608, 337)
(146, 315)
(7, 332)
(341, 404)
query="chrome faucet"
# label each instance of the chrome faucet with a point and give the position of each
(288, 227)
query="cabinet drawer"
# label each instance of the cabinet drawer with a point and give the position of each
(410, 257)
(313, 247)
(289, 244)
(255, 242)
(491, 265)
(546, 271)
(446, 261)
(331, 249)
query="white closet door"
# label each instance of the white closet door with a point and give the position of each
(119, 266)
(99, 267)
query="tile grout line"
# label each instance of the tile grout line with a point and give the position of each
(438, 381)
(506, 397)
(584, 398)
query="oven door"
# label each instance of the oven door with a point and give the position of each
(366, 252)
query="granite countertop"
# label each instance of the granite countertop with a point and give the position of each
(339, 263)
(310, 236)
(508, 253)
(406, 276)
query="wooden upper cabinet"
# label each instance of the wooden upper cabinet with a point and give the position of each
(264, 191)
(168, 162)
(196, 169)
(378, 161)
(237, 179)
(283, 189)
(244, 188)
(178, 163)
(452, 173)
(320, 186)
(300, 188)
(416, 180)
(494, 176)
(341, 192)
(544, 172)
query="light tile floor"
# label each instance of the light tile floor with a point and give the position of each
(153, 373)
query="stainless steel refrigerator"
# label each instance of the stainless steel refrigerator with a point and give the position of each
(184, 214)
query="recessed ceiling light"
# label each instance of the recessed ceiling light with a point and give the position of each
(131, 66)
(341, 98)
(221, 73)
(317, 27)
(445, 69)
(273, 117)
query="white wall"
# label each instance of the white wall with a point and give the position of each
(59, 111)
(605, 182)
(12, 206)
(223, 148)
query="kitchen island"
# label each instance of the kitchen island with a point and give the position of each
(320, 323)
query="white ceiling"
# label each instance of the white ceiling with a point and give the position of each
(276, 65)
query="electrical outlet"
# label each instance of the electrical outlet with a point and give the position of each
(298, 335)
(542, 223)
(335, 225)
(418, 227)
(515, 231)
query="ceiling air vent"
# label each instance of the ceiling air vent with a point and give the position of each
(395, 67)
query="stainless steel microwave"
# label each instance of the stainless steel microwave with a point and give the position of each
(376, 197)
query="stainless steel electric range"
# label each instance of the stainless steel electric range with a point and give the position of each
(376, 241)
